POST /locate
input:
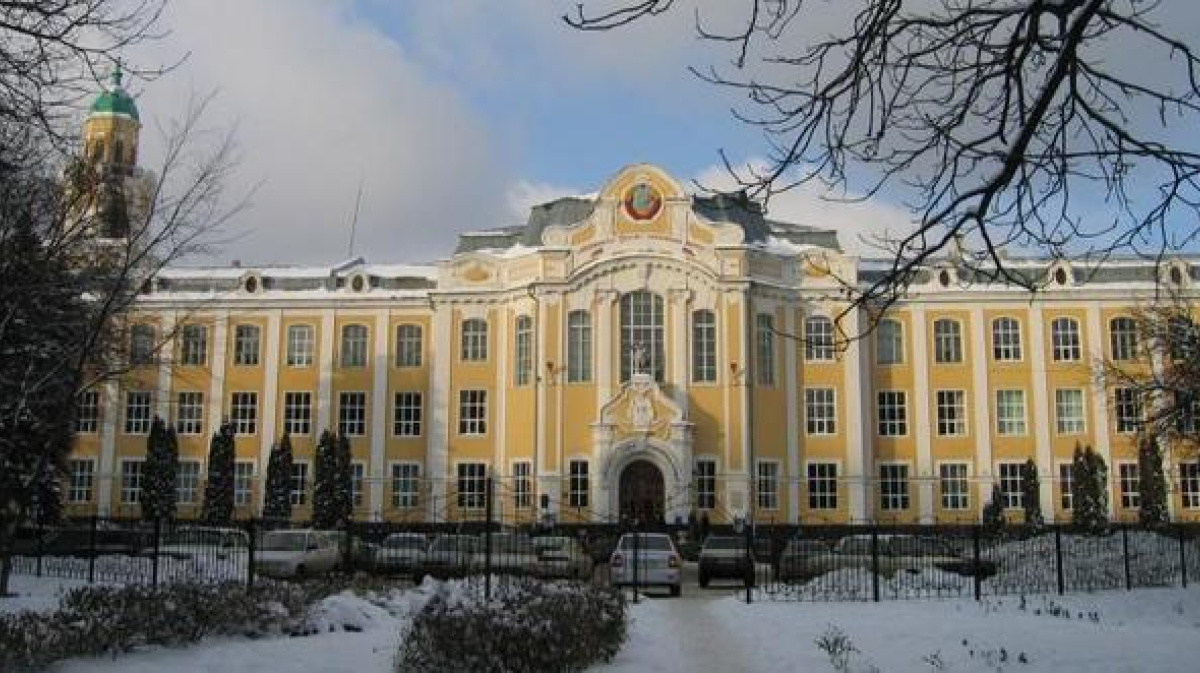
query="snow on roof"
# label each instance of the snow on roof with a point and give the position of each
(782, 246)
(425, 271)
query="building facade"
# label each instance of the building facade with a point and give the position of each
(638, 353)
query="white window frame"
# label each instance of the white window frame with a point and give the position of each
(1006, 340)
(704, 346)
(1127, 411)
(947, 341)
(1010, 481)
(1009, 423)
(141, 344)
(1066, 422)
(243, 482)
(408, 408)
(410, 345)
(352, 413)
(188, 480)
(820, 411)
(1129, 484)
(299, 483)
(891, 413)
(578, 482)
(889, 342)
(643, 322)
(1123, 338)
(1066, 486)
(472, 412)
(895, 493)
(951, 408)
(297, 412)
(1066, 343)
(81, 481)
(193, 345)
(766, 485)
(764, 332)
(522, 484)
(87, 413)
(354, 346)
(189, 412)
(139, 411)
(471, 485)
(405, 484)
(822, 483)
(1189, 484)
(522, 350)
(358, 481)
(954, 485)
(246, 345)
(579, 346)
(243, 411)
(706, 483)
(818, 339)
(132, 481)
(474, 346)
(301, 341)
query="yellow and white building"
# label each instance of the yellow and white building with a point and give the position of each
(639, 352)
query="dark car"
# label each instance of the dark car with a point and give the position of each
(723, 557)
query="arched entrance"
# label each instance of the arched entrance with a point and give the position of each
(641, 493)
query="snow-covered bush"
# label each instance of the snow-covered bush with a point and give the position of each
(526, 626)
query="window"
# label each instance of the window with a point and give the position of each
(523, 341)
(141, 345)
(87, 412)
(1189, 413)
(472, 485)
(704, 346)
(1068, 411)
(245, 345)
(892, 413)
(951, 413)
(81, 479)
(354, 346)
(409, 346)
(522, 486)
(765, 341)
(137, 412)
(300, 345)
(577, 489)
(131, 481)
(1011, 478)
(579, 347)
(889, 342)
(820, 411)
(642, 326)
(1128, 405)
(1131, 486)
(352, 413)
(893, 487)
(406, 414)
(187, 482)
(297, 412)
(952, 478)
(822, 485)
(1066, 486)
(706, 484)
(1064, 336)
(243, 482)
(243, 411)
(1189, 482)
(472, 412)
(1006, 340)
(189, 413)
(299, 492)
(358, 473)
(1010, 412)
(768, 484)
(193, 350)
(474, 340)
(947, 341)
(406, 485)
(818, 339)
(1123, 338)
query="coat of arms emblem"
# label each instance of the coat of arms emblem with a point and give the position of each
(642, 201)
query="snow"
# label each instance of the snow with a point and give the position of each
(783, 247)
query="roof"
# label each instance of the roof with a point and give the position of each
(115, 100)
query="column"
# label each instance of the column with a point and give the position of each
(270, 420)
(860, 454)
(216, 388)
(441, 350)
(166, 362)
(379, 414)
(328, 336)
(981, 400)
(795, 467)
(926, 478)
(106, 475)
(1041, 410)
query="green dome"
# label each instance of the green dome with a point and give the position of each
(116, 100)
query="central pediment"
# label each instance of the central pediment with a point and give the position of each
(640, 409)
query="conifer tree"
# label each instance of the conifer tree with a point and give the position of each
(160, 472)
(1152, 506)
(278, 501)
(1031, 497)
(218, 492)
(331, 493)
(1090, 475)
(993, 514)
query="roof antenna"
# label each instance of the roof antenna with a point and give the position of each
(354, 220)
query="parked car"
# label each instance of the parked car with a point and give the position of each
(204, 543)
(724, 557)
(510, 554)
(402, 553)
(361, 552)
(452, 556)
(296, 553)
(800, 558)
(893, 554)
(647, 559)
(562, 556)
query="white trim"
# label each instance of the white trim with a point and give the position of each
(388, 482)
(858, 377)
(322, 419)
(937, 479)
(165, 366)
(108, 447)
(981, 357)
(925, 490)
(791, 382)
(271, 397)
(1040, 415)
(373, 499)
(441, 354)
(1100, 435)
(216, 391)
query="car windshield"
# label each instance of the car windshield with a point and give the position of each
(404, 542)
(454, 544)
(285, 541)
(856, 545)
(647, 543)
(205, 538)
(723, 542)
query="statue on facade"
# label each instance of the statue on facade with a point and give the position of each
(640, 358)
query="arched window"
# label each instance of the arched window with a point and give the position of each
(1123, 337)
(408, 346)
(889, 342)
(1064, 337)
(704, 346)
(1006, 340)
(354, 346)
(523, 343)
(141, 345)
(947, 341)
(764, 324)
(579, 347)
(642, 326)
(474, 340)
(818, 339)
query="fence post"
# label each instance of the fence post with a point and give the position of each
(1125, 555)
(749, 561)
(875, 562)
(252, 534)
(1058, 561)
(157, 540)
(41, 536)
(1182, 555)
(977, 571)
(487, 539)
(95, 524)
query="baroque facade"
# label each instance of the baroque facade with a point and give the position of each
(641, 352)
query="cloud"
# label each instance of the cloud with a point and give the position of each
(525, 194)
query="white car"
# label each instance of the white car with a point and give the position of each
(647, 559)
(296, 553)
(562, 556)
(205, 543)
(402, 553)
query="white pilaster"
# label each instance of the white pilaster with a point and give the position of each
(860, 454)
(325, 372)
(794, 470)
(604, 341)
(680, 346)
(111, 403)
(166, 363)
(924, 397)
(379, 414)
(216, 388)
(270, 402)
(1041, 408)
(500, 426)
(982, 402)
(441, 351)
(1096, 339)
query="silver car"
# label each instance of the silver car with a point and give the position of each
(296, 553)
(402, 553)
(452, 556)
(562, 556)
(647, 559)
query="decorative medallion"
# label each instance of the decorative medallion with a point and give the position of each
(642, 201)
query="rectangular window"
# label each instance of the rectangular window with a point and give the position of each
(299, 492)
(1006, 340)
(1123, 338)
(474, 340)
(577, 493)
(818, 339)
(768, 484)
(472, 485)
(131, 481)
(472, 412)
(187, 482)
(1068, 411)
(141, 345)
(523, 351)
(952, 477)
(193, 348)
(354, 346)
(1189, 413)
(1066, 486)
(1131, 485)
(189, 413)
(406, 485)
(1064, 338)
(892, 412)
(1189, 483)
(243, 483)
(947, 342)
(822, 485)
(579, 347)
(706, 484)
(81, 479)
(409, 346)
(820, 411)
(951, 413)
(352, 413)
(893, 487)
(358, 474)
(1010, 412)
(300, 345)
(1011, 478)
(1128, 405)
(245, 345)
(889, 342)
(87, 412)
(137, 412)
(704, 346)
(522, 486)
(765, 325)
(297, 412)
(243, 412)
(406, 414)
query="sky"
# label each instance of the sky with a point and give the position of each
(450, 116)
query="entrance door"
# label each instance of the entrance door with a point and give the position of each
(642, 492)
